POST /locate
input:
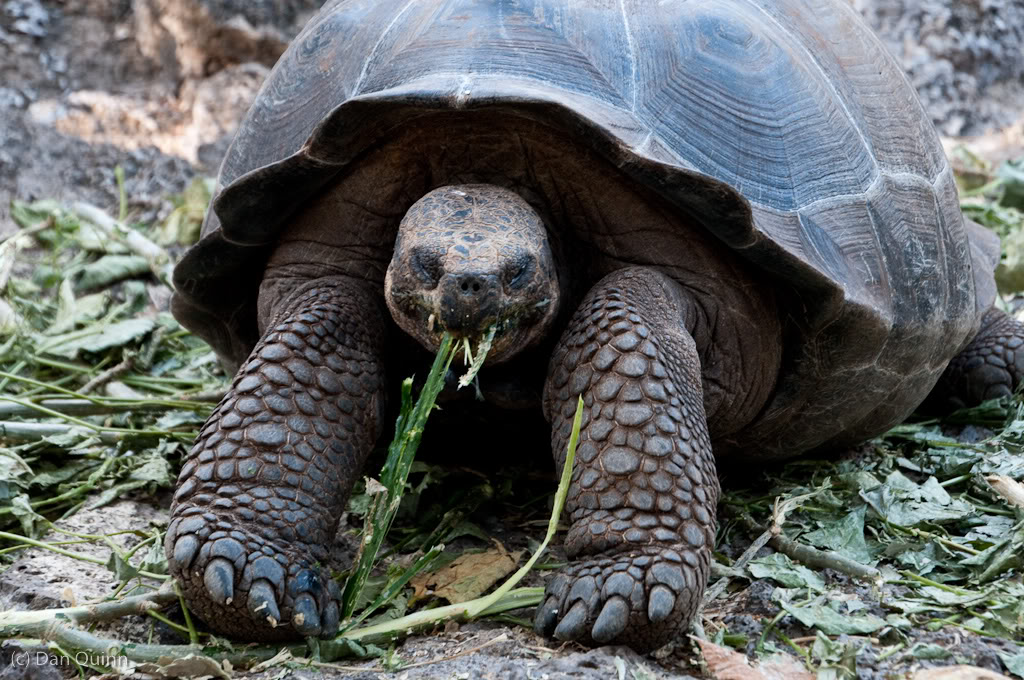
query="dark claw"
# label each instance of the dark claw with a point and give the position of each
(185, 549)
(584, 588)
(263, 604)
(306, 581)
(332, 620)
(269, 569)
(660, 604)
(573, 624)
(219, 578)
(306, 619)
(546, 617)
(229, 549)
(611, 621)
(670, 575)
(619, 583)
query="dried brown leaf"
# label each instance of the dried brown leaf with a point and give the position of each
(726, 664)
(469, 576)
(958, 673)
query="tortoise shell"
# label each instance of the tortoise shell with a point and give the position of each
(781, 127)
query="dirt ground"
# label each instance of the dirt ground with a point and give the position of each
(157, 87)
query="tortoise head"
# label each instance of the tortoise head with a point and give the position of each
(469, 257)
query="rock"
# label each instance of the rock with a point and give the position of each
(966, 58)
(41, 579)
(204, 36)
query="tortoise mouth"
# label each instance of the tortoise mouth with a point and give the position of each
(514, 326)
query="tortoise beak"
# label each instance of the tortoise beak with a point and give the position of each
(468, 302)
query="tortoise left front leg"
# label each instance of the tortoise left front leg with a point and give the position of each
(644, 487)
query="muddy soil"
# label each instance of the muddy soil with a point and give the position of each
(157, 87)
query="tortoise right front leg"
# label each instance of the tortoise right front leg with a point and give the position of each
(260, 494)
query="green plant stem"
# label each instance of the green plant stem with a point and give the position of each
(67, 553)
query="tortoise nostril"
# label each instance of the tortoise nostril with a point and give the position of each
(470, 285)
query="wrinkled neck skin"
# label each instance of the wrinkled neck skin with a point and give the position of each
(472, 259)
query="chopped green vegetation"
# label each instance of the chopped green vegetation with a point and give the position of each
(995, 199)
(94, 382)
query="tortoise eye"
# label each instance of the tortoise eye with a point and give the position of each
(427, 266)
(518, 271)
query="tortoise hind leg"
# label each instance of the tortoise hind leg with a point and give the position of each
(991, 366)
(260, 494)
(644, 488)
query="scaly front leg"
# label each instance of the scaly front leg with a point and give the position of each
(644, 488)
(260, 494)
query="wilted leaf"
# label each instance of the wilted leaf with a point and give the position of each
(783, 570)
(845, 535)
(469, 576)
(191, 666)
(930, 651)
(902, 502)
(823, 617)
(109, 269)
(72, 311)
(96, 338)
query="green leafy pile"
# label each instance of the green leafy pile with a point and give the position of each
(96, 384)
(995, 199)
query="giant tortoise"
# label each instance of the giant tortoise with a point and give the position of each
(727, 224)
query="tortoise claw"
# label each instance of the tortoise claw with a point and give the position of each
(306, 619)
(574, 623)
(331, 620)
(660, 604)
(185, 550)
(219, 579)
(611, 621)
(262, 603)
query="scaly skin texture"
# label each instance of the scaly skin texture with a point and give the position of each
(260, 494)
(644, 487)
(991, 366)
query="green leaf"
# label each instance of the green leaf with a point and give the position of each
(123, 570)
(929, 651)
(1011, 173)
(109, 269)
(95, 338)
(783, 570)
(821, 616)
(902, 502)
(1014, 663)
(845, 535)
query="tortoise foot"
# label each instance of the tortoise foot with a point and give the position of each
(991, 366)
(641, 598)
(242, 584)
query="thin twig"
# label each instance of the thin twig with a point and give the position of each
(106, 376)
(824, 559)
